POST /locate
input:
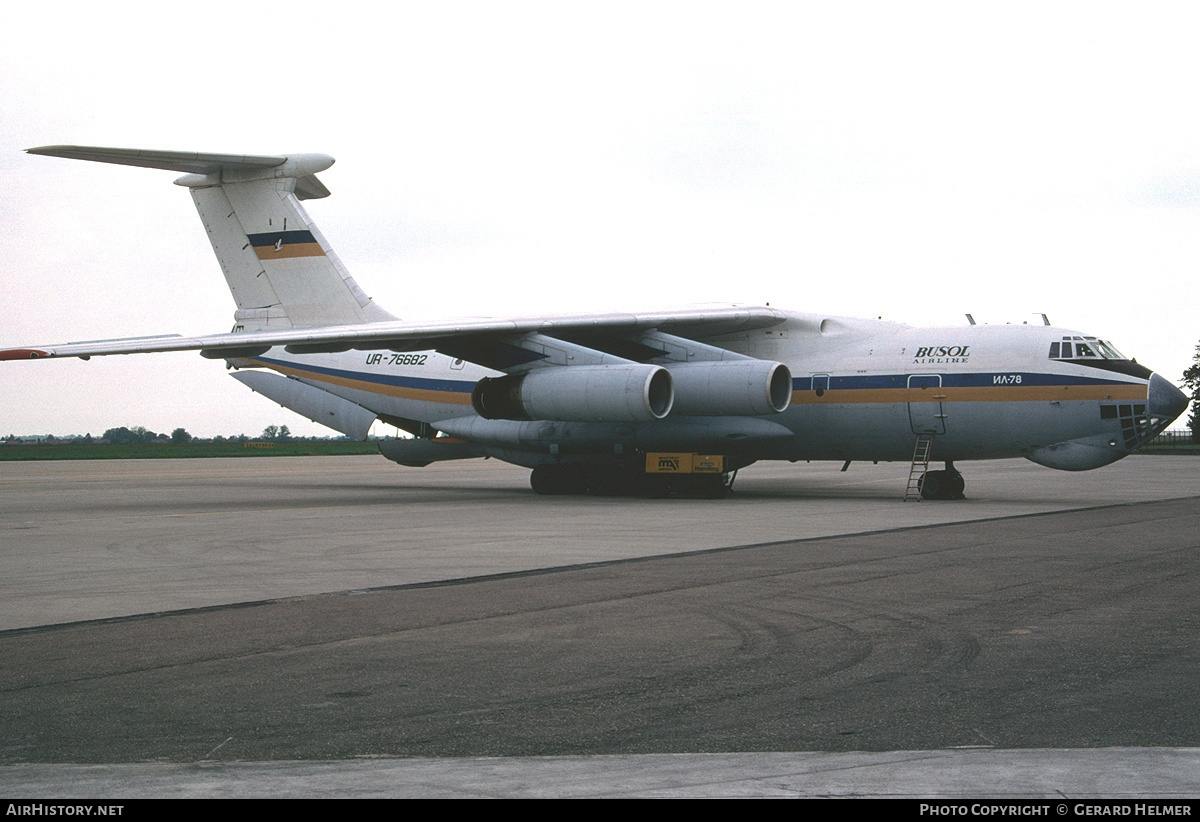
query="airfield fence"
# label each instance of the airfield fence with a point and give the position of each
(1184, 441)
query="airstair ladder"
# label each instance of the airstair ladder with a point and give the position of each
(920, 464)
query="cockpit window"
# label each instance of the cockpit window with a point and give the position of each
(1074, 348)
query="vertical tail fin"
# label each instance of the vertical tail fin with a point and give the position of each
(280, 269)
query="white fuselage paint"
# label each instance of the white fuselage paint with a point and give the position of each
(862, 390)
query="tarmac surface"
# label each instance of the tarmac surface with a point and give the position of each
(341, 627)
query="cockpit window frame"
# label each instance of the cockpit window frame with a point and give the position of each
(1085, 348)
(1093, 352)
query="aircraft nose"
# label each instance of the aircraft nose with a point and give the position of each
(1165, 400)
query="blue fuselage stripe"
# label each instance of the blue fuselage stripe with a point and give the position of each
(980, 380)
(391, 380)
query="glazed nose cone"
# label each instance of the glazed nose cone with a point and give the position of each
(1165, 400)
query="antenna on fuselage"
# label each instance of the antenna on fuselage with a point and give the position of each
(1045, 320)
(970, 319)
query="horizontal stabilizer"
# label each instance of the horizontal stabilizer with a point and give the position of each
(185, 161)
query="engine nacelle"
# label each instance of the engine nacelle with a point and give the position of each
(739, 388)
(577, 393)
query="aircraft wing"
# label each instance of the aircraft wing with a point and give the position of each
(474, 339)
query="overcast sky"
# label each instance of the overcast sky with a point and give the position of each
(914, 161)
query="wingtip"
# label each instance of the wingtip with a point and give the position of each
(23, 354)
(52, 151)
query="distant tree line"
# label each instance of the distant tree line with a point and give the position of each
(276, 433)
(138, 435)
(130, 436)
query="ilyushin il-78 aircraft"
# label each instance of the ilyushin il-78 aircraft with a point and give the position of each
(648, 403)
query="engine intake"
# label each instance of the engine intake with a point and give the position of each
(577, 393)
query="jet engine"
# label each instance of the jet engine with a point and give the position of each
(742, 388)
(578, 393)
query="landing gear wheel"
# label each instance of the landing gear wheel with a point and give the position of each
(655, 486)
(554, 479)
(956, 485)
(612, 480)
(932, 485)
(608, 481)
(701, 486)
(713, 487)
(942, 485)
(544, 480)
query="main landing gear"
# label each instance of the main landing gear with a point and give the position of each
(563, 479)
(948, 484)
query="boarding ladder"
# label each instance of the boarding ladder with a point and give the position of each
(920, 464)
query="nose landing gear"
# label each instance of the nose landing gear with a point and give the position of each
(947, 484)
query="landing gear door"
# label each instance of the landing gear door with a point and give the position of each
(926, 407)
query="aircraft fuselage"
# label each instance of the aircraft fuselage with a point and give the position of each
(861, 390)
